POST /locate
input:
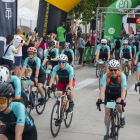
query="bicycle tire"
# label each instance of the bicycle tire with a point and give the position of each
(67, 124)
(110, 126)
(30, 105)
(117, 126)
(51, 122)
(39, 106)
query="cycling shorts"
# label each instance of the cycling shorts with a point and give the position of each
(27, 135)
(102, 58)
(62, 86)
(41, 78)
(109, 97)
(117, 48)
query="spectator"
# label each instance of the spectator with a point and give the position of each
(87, 40)
(92, 36)
(77, 46)
(9, 56)
(81, 47)
(103, 34)
(18, 57)
(79, 30)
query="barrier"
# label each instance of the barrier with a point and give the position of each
(88, 54)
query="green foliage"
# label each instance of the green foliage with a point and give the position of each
(86, 9)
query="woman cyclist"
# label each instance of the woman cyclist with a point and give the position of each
(110, 46)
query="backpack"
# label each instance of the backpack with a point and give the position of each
(40, 53)
(118, 78)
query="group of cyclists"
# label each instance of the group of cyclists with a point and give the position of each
(13, 100)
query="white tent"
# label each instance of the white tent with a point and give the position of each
(27, 17)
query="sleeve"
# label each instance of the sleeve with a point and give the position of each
(63, 51)
(20, 114)
(111, 46)
(56, 52)
(72, 53)
(17, 86)
(120, 42)
(63, 30)
(130, 49)
(104, 80)
(123, 80)
(38, 62)
(135, 49)
(26, 62)
(71, 72)
(114, 41)
(46, 54)
(137, 55)
(108, 48)
(121, 49)
(98, 48)
(13, 48)
(55, 69)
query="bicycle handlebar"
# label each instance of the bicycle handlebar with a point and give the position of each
(98, 107)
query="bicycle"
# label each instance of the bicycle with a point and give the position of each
(34, 97)
(97, 70)
(59, 112)
(113, 126)
(136, 85)
(117, 54)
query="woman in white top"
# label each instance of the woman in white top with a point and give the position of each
(9, 56)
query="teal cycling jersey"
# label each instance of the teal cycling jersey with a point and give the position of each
(65, 74)
(36, 64)
(133, 49)
(69, 53)
(138, 56)
(17, 116)
(53, 54)
(115, 42)
(124, 38)
(17, 85)
(110, 45)
(114, 87)
(103, 53)
(138, 68)
(126, 51)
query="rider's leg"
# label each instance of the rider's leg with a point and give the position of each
(107, 113)
(99, 66)
(129, 65)
(123, 63)
(106, 67)
(3, 137)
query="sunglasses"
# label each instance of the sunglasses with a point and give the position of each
(30, 53)
(103, 44)
(113, 70)
(66, 47)
(2, 101)
(61, 62)
(49, 46)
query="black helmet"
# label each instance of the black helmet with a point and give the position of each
(6, 90)
(51, 43)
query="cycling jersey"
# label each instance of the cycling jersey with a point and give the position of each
(36, 64)
(69, 54)
(104, 53)
(138, 68)
(110, 45)
(65, 74)
(137, 45)
(133, 50)
(53, 54)
(126, 52)
(117, 43)
(17, 85)
(17, 116)
(124, 38)
(138, 56)
(114, 86)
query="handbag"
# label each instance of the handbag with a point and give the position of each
(4, 55)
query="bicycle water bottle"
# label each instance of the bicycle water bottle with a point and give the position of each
(64, 102)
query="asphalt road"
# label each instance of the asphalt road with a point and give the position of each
(88, 122)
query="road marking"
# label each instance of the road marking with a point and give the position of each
(131, 90)
(84, 83)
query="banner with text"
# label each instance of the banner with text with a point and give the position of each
(88, 54)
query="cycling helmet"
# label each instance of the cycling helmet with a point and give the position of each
(117, 37)
(30, 49)
(131, 43)
(6, 90)
(109, 39)
(114, 63)
(131, 37)
(35, 50)
(62, 57)
(104, 41)
(67, 44)
(51, 43)
(4, 74)
(125, 42)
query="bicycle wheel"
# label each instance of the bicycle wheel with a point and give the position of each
(117, 126)
(29, 108)
(68, 117)
(110, 129)
(54, 116)
(40, 108)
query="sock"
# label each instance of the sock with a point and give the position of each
(105, 129)
(121, 115)
(42, 96)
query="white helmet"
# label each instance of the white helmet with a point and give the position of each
(114, 63)
(125, 42)
(104, 41)
(62, 57)
(131, 36)
(4, 74)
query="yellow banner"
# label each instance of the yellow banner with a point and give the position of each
(65, 5)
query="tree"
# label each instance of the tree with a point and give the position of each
(86, 9)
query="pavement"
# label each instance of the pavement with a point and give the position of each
(88, 122)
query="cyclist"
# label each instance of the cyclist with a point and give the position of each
(110, 46)
(117, 44)
(131, 39)
(137, 43)
(127, 54)
(38, 72)
(16, 83)
(133, 51)
(103, 52)
(35, 52)
(19, 124)
(69, 52)
(66, 79)
(125, 37)
(51, 54)
(113, 85)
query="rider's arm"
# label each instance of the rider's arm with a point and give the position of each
(71, 74)
(38, 65)
(72, 53)
(98, 52)
(103, 86)
(108, 48)
(18, 132)
(121, 52)
(130, 50)
(56, 54)
(136, 60)
(45, 58)
(123, 85)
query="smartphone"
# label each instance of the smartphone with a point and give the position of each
(21, 41)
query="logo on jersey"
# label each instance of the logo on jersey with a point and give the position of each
(123, 4)
(111, 30)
